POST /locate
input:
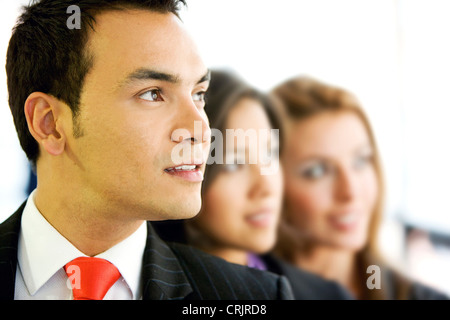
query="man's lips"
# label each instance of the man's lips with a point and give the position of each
(183, 167)
(188, 172)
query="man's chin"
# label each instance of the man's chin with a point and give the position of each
(185, 214)
(189, 215)
(179, 210)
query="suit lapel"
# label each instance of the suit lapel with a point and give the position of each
(163, 276)
(9, 237)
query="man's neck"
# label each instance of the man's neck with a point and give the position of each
(91, 228)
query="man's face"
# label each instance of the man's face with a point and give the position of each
(147, 81)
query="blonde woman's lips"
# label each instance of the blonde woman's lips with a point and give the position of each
(345, 222)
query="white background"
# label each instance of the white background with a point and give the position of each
(393, 54)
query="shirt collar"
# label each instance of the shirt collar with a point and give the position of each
(127, 256)
(43, 251)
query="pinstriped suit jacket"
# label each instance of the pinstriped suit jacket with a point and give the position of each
(170, 271)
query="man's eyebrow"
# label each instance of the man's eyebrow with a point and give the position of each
(148, 74)
(206, 77)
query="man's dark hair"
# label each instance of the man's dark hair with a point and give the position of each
(45, 55)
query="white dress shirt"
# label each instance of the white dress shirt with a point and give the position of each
(43, 252)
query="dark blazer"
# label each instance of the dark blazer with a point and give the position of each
(170, 271)
(306, 285)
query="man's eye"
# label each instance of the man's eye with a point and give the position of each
(152, 95)
(199, 96)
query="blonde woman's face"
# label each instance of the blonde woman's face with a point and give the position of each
(331, 187)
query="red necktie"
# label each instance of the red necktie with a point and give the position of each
(91, 278)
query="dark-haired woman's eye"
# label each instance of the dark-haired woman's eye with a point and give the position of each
(232, 167)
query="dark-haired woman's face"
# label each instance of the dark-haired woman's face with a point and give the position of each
(331, 186)
(241, 207)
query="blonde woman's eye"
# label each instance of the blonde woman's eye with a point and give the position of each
(362, 161)
(313, 172)
(152, 95)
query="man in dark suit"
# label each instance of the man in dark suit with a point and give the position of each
(108, 102)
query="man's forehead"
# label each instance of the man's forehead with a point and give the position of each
(113, 27)
(145, 46)
(123, 15)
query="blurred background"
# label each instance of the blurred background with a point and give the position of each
(392, 54)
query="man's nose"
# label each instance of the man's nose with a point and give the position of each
(198, 132)
(192, 125)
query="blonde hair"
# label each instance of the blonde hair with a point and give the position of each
(303, 97)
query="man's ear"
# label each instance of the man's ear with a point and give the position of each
(42, 112)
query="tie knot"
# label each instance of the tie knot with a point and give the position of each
(91, 278)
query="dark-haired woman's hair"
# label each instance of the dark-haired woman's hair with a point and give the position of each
(225, 91)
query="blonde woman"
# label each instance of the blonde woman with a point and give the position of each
(334, 192)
